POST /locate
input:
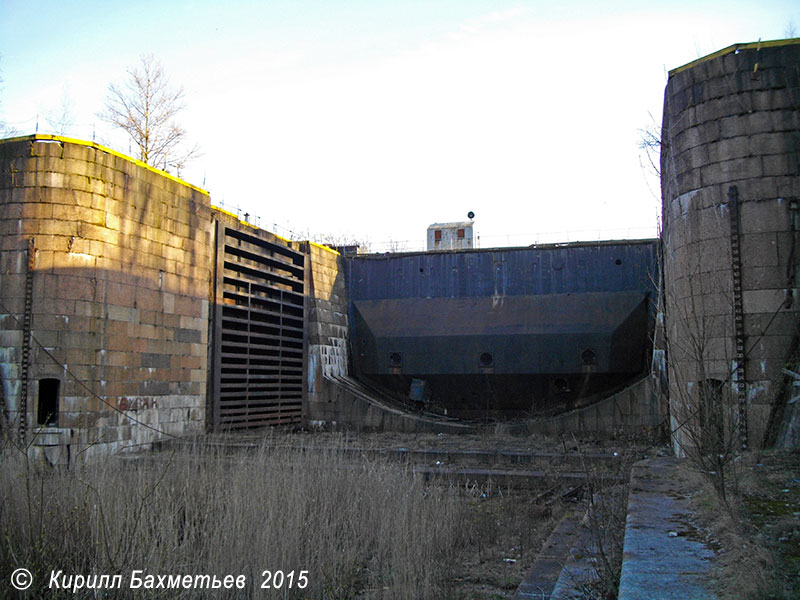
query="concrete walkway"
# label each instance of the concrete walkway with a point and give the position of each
(665, 557)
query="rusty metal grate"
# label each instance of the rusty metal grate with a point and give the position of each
(258, 332)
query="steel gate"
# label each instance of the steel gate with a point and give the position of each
(258, 326)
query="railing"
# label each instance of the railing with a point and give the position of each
(526, 239)
(420, 244)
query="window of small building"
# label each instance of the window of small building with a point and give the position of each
(460, 234)
(437, 235)
(47, 413)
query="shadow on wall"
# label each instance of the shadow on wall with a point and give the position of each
(104, 285)
(112, 360)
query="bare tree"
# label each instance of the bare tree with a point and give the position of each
(145, 106)
(650, 145)
(60, 119)
(342, 242)
(703, 402)
(5, 130)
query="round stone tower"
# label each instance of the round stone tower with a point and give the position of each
(730, 190)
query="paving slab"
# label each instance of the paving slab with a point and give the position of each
(665, 555)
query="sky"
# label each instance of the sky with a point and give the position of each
(356, 120)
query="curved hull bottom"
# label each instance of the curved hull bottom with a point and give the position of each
(499, 397)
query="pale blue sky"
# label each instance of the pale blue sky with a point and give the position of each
(375, 119)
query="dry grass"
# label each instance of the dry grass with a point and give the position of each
(361, 530)
(760, 530)
(606, 506)
(506, 529)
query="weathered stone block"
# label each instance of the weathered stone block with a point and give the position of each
(733, 126)
(154, 388)
(730, 148)
(81, 356)
(72, 288)
(762, 301)
(689, 180)
(760, 249)
(773, 143)
(99, 233)
(776, 165)
(764, 217)
(754, 278)
(8, 336)
(769, 349)
(155, 360)
(188, 335)
(787, 121)
(731, 170)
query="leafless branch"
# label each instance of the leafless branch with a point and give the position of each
(145, 107)
(650, 144)
(61, 119)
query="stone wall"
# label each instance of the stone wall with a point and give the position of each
(327, 331)
(119, 301)
(730, 188)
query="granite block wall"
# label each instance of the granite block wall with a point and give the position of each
(328, 336)
(730, 190)
(118, 295)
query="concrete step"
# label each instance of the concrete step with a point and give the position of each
(567, 539)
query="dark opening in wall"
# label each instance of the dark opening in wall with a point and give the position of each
(561, 385)
(47, 413)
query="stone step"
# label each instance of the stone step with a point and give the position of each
(547, 570)
(509, 478)
(428, 456)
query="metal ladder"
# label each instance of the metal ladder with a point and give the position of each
(26, 342)
(738, 315)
